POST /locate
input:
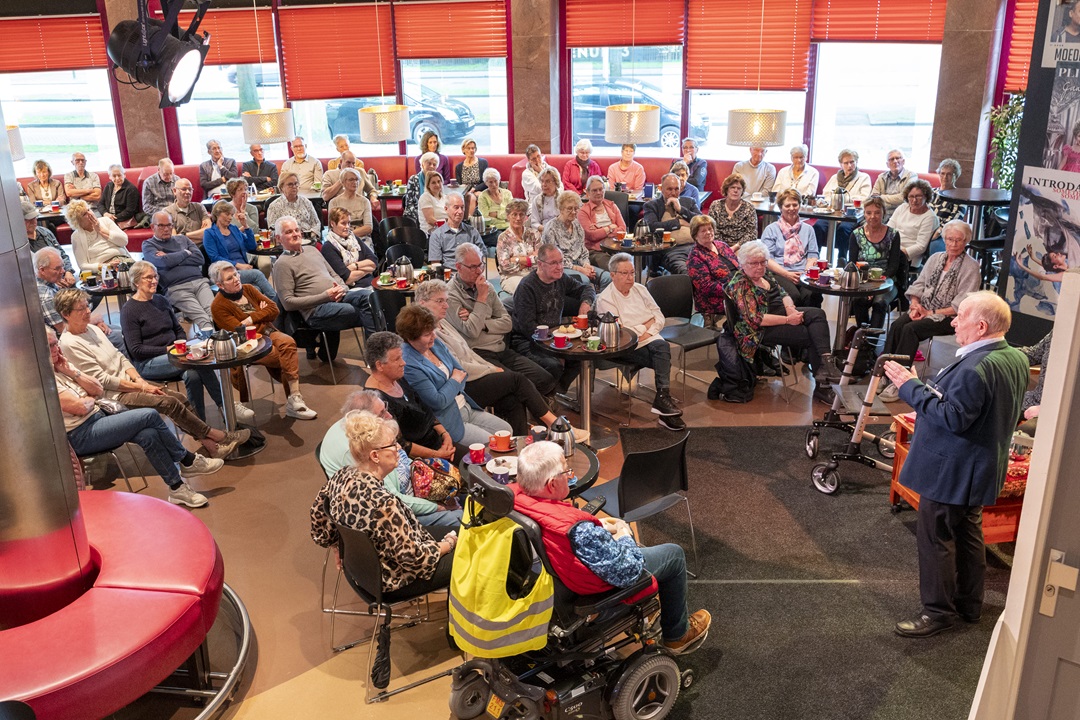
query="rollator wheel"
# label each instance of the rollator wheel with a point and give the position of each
(647, 689)
(687, 679)
(826, 479)
(471, 699)
(811, 444)
(886, 451)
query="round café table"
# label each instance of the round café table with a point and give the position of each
(636, 251)
(976, 199)
(261, 350)
(583, 462)
(120, 292)
(273, 252)
(871, 288)
(599, 437)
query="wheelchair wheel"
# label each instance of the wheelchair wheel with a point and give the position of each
(826, 479)
(884, 450)
(811, 444)
(471, 699)
(647, 689)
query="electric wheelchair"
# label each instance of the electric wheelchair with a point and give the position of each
(603, 658)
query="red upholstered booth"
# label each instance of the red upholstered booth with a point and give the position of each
(155, 596)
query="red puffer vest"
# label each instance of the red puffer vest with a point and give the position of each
(556, 518)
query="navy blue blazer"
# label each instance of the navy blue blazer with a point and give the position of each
(966, 416)
(436, 390)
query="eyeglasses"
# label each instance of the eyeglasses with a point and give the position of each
(755, 263)
(551, 262)
(395, 445)
(168, 224)
(564, 474)
(916, 196)
(477, 266)
(623, 272)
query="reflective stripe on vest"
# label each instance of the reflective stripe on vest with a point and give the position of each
(484, 620)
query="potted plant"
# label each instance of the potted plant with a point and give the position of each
(1005, 120)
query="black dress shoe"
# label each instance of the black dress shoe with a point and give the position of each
(922, 626)
(714, 389)
(969, 619)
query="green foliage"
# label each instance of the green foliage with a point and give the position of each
(1005, 120)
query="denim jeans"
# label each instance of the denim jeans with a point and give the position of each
(667, 563)
(195, 380)
(142, 426)
(450, 518)
(256, 278)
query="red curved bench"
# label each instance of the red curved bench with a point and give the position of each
(155, 596)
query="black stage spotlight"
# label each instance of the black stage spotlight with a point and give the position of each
(154, 52)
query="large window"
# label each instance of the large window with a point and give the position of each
(58, 113)
(459, 98)
(715, 104)
(605, 76)
(874, 112)
(222, 93)
(318, 121)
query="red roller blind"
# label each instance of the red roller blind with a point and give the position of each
(317, 67)
(233, 37)
(466, 28)
(1020, 42)
(52, 43)
(723, 38)
(607, 23)
(883, 20)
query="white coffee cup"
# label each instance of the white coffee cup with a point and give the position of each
(757, 197)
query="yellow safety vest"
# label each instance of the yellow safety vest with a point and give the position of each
(484, 620)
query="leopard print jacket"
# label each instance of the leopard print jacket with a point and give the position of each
(359, 500)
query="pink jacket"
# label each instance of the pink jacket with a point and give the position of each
(572, 178)
(593, 234)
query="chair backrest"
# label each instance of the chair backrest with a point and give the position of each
(360, 563)
(385, 306)
(674, 294)
(408, 235)
(651, 475)
(622, 201)
(415, 255)
(387, 224)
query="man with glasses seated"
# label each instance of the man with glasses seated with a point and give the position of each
(539, 300)
(890, 184)
(634, 306)
(444, 240)
(189, 218)
(79, 184)
(258, 171)
(592, 556)
(179, 263)
(293, 205)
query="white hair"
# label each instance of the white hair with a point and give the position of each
(491, 172)
(217, 269)
(801, 149)
(430, 289)
(281, 221)
(466, 248)
(41, 257)
(583, 144)
(754, 248)
(538, 463)
(429, 157)
(618, 259)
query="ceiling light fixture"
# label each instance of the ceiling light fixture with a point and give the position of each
(633, 122)
(757, 127)
(381, 124)
(270, 125)
(15, 144)
(154, 53)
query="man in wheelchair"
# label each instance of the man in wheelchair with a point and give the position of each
(558, 595)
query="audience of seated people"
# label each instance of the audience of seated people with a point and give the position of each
(672, 214)
(225, 242)
(430, 143)
(680, 170)
(601, 220)
(80, 184)
(179, 263)
(49, 272)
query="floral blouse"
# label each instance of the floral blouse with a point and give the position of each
(510, 246)
(945, 209)
(359, 500)
(571, 240)
(709, 273)
(884, 255)
(753, 304)
(734, 229)
(411, 203)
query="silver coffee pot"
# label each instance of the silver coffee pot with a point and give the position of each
(850, 278)
(609, 330)
(403, 268)
(223, 345)
(562, 434)
(642, 231)
(839, 199)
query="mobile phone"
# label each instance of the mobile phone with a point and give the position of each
(595, 504)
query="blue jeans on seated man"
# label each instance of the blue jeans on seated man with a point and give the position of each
(667, 563)
(142, 426)
(252, 276)
(195, 381)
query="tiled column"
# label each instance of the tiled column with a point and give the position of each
(144, 130)
(534, 54)
(970, 54)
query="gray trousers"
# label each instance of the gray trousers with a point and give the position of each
(193, 299)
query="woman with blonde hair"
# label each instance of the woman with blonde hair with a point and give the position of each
(95, 241)
(566, 233)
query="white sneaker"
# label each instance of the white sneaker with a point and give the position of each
(890, 394)
(244, 414)
(297, 408)
(202, 465)
(580, 435)
(186, 495)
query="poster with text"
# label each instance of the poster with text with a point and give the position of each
(1062, 149)
(1062, 33)
(1046, 242)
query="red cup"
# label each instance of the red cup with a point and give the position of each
(476, 453)
(440, 223)
(857, 203)
(55, 206)
(823, 265)
(265, 242)
(581, 322)
(181, 346)
(560, 340)
(402, 283)
(252, 332)
(813, 273)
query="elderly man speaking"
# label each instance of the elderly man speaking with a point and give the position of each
(958, 458)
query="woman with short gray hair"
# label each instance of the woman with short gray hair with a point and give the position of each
(120, 200)
(493, 201)
(798, 175)
(948, 172)
(766, 315)
(578, 168)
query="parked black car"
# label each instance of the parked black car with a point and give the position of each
(450, 119)
(591, 102)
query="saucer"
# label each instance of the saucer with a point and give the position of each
(537, 338)
(510, 462)
(487, 458)
(492, 448)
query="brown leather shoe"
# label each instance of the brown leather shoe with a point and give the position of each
(694, 637)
